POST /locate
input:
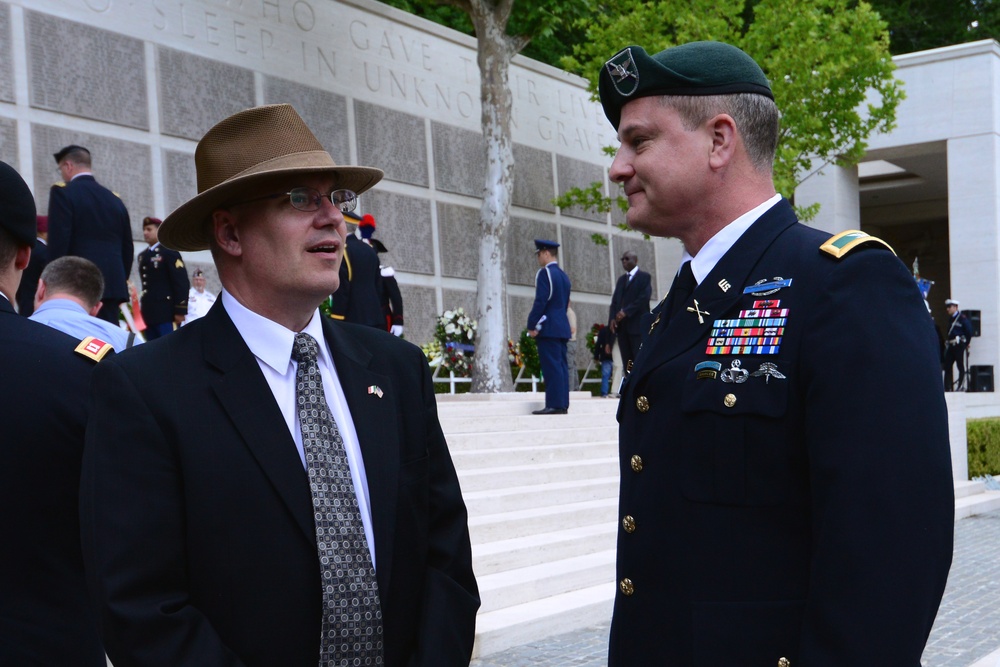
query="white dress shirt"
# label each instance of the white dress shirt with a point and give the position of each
(717, 246)
(272, 344)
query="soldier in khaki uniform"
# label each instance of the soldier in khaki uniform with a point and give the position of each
(786, 493)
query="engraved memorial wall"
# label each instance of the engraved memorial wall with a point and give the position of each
(139, 82)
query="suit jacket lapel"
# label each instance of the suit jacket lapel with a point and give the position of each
(714, 299)
(375, 422)
(247, 399)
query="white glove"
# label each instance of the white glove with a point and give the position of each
(396, 329)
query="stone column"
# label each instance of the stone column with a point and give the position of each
(974, 236)
(836, 190)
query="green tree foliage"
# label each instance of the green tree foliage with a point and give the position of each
(917, 25)
(828, 62)
(553, 27)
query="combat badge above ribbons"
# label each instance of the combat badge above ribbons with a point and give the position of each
(623, 71)
(757, 330)
(767, 287)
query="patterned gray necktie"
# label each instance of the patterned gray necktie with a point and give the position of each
(352, 616)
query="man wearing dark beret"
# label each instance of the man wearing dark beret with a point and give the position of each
(88, 220)
(786, 494)
(46, 617)
(165, 284)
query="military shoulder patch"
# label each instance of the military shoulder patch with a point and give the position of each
(59, 184)
(179, 264)
(92, 348)
(844, 242)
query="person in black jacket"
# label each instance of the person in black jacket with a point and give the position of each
(165, 284)
(46, 616)
(629, 303)
(29, 279)
(786, 486)
(90, 221)
(359, 297)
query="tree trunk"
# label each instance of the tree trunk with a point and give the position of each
(491, 368)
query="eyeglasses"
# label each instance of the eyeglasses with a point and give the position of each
(310, 199)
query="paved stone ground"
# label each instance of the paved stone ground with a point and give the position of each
(967, 627)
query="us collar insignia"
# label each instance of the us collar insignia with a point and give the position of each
(707, 370)
(756, 331)
(624, 73)
(768, 370)
(765, 287)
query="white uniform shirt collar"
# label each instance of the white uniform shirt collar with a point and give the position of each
(269, 341)
(717, 246)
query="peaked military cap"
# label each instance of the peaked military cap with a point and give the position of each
(696, 68)
(545, 244)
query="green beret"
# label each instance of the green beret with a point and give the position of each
(696, 68)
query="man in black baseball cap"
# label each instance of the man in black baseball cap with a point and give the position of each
(783, 430)
(45, 613)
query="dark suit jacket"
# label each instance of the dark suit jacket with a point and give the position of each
(359, 297)
(29, 279)
(632, 297)
(552, 289)
(45, 613)
(88, 220)
(165, 285)
(197, 521)
(807, 516)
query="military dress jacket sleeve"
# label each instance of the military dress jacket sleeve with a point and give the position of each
(786, 484)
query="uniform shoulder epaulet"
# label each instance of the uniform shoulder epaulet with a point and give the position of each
(59, 184)
(840, 244)
(92, 348)
(116, 194)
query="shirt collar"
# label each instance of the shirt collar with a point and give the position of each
(717, 246)
(631, 274)
(61, 304)
(269, 341)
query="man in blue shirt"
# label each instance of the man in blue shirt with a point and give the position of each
(69, 296)
(549, 326)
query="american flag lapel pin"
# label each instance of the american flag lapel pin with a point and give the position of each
(375, 389)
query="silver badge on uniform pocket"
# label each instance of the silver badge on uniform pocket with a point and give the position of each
(735, 373)
(768, 370)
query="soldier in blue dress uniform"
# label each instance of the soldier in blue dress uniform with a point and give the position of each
(549, 326)
(165, 284)
(786, 494)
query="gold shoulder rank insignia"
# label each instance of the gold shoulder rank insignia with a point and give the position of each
(179, 264)
(116, 194)
(844, 242)
(59, 184)
(93, 348)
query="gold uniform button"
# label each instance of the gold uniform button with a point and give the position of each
(628, 523)
(642, 404)
(784, 662)
(626, 587)
(729, 400)
(636, 463)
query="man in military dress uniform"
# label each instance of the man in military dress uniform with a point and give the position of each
(46, 616)
(359, 297)
(956, 342)
(165, 284)
(786, 494)
(549, 326)
(88, 220)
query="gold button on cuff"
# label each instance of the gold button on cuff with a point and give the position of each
(628, 523)
(636, 463)
(626, 587)
(729, 400)
(784, 662)
(642, 404)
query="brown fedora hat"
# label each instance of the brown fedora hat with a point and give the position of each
(243, 152)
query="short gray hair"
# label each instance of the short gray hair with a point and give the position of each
(74, 275)
(757, 119)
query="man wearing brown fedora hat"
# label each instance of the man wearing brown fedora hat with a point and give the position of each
(284, 494)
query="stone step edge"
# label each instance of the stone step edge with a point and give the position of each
(476, 472)
(979, 503)
(538, 512)
(539, 488)
(561, 567)
(499, 547)
(517, 625)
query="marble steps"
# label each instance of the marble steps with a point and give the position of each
(973, 498)
(542, 494)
